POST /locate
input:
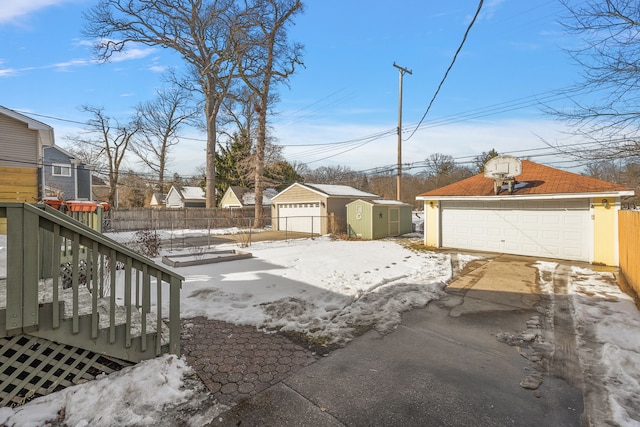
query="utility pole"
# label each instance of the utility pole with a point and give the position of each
(401, 71)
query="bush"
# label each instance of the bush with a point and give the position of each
(147, 243)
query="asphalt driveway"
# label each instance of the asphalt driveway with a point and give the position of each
(480, 356)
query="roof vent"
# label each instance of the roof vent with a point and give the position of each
(503, 170)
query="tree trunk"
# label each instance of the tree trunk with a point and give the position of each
(210, 189)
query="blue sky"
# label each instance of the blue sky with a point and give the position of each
(348, 93)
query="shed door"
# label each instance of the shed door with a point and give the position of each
(394, 221)
(551, 229)
(304, 217)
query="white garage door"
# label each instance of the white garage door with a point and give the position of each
(304, 217)
(553, 229)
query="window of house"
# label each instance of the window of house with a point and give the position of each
(62, 170)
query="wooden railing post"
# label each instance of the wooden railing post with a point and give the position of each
(15, 260)
(174, 315)
(23, 269)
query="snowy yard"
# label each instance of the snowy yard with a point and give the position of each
(328, 290)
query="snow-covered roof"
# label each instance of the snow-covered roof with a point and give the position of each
(390, 202)
(249, 197)
(192, 193)
(340, 190)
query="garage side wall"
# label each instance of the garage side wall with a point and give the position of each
(605, 238)
(338, 207)
(432, 224)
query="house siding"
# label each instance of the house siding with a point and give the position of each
(84, 183)
(230, 200)
(18, 144)
(62, 186)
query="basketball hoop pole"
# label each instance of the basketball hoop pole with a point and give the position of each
(401, 71)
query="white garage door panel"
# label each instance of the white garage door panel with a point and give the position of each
(556, 229)
(303, 217)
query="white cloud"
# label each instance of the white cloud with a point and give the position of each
(131, 54)
(13, 9)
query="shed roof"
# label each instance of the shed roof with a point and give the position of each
(382, 202)
(191, 193)
(333, 190)
(535, 180)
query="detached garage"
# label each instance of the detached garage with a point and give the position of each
(377, 219)
(314, 208)
(548, 213)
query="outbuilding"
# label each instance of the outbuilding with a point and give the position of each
(541, 212)
(186, 197)
(242, 197)
(377, 219)
(314, 208)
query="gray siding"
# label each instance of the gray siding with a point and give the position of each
(18, 144)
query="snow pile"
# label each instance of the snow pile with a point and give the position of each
(610, 339)
(132, 396)
(608, 344)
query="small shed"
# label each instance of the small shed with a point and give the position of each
(186, 197)
(377, 219)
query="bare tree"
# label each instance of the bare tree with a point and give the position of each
(111, 138)
(609, 57)
(266, 58)
(160, 121)
(198, 30)
(480, 160)
(442, 170)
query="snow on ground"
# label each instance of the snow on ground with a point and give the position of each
(319, 287)
(608, 339)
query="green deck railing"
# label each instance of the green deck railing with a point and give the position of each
(39, 237)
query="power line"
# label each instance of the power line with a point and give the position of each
(455, 56)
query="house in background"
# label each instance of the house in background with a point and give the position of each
(186, 197)
(158, 200)
(241, 197)
(544, 212)
(65, 176)
(314, 208)
(22, 140)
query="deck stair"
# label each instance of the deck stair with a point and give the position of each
(123, 310)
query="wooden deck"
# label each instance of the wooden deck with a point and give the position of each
(108, 303)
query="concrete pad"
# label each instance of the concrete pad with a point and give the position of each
(505, 283)
(278, 406)
(415, 377)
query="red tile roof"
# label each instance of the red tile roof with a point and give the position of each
(540, 180)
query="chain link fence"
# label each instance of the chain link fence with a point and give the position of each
(143, 236)
(175, 229)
